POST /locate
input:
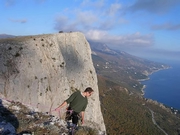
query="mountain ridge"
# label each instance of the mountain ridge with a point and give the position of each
(118, 64)
(6, 36)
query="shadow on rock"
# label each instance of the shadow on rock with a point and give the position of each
(26, 133)
(8, 121)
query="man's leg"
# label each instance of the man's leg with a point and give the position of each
(74, 121)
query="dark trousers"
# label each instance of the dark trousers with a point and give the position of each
(75, 118)
(72, 115)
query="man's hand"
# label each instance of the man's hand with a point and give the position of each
(82, 117)
(62, 105)
(82, 121)
(57, 109)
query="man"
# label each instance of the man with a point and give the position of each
(77, 104)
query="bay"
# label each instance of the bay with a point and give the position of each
(164, 86)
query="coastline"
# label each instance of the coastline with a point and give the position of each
(148, 74)
(142, 90)
(173, 109)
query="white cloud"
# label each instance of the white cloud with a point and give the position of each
(86, 18)
(79, 22)
(97, 35)
(96, 25)
(131, 40)
(114, 8)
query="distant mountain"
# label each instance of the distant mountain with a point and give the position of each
(6, 36)
(122, 67)
(100, 47)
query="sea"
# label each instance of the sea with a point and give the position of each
(164, 85)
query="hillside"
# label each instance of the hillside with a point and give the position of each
(124, 109)
(122, 68)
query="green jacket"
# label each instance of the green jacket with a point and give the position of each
(77, 102)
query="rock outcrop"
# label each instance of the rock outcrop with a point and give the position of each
(42, 71)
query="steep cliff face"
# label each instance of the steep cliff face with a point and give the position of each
(42, 71)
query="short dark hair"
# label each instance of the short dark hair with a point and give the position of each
(88, 89)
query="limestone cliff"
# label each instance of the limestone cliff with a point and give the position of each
(42, 71)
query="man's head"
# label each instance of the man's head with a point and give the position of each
(89, 91)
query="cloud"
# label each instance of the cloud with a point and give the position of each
(93, 15)
(18, 20)
(97, 35)
(86, 18)
(79, 22)
(62, 23)
(96, 25)
(166, 26)
(107, 25)
(113, 9)
(131, 40)
(153, 6)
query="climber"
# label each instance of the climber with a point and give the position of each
(77, 105)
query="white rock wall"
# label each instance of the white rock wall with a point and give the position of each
(42, 71)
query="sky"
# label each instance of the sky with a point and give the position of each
(145, 28)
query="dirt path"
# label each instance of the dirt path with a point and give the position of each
(153, 120)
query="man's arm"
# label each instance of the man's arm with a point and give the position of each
(70, 99)
(62, 105)
(82, 115)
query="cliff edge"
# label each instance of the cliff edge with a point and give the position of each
(42, 71)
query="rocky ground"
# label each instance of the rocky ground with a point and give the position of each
(18, 119)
